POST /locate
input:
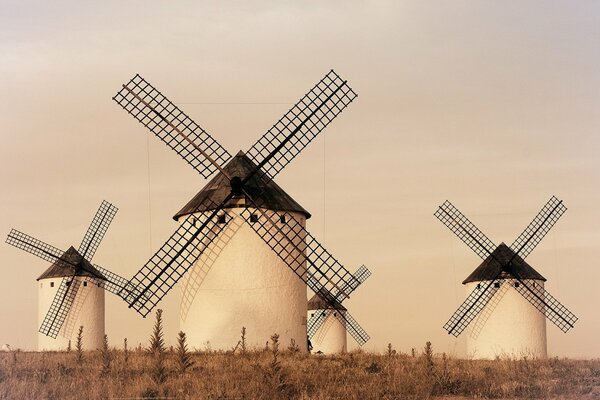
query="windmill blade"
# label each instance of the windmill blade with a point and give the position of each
(60, 307)
(352, 327)
(545, 303)
(97, 229)
(158, 276)
(34, 246)
(539, 227)
(172, 126)
(315, 322)
(301, 124)
(472, 306)
(360, 276)
(117, 285)
(465, 229)
(192, 281)
(297, 248)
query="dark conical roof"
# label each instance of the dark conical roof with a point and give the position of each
(317, 302)
(490, 267)
(75, 265)
(264, 191)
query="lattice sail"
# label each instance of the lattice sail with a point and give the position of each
(34, 246)
(192, 281)
(353, 327)
(300, 250)
(172, 126)
(97, 230)
(545, 303)
(315, 322)
(166, 267)
(360, 276)
(539, 227)
(60, 307)
(465, 229)
(301, 124)
(117, 285)
(472, 306)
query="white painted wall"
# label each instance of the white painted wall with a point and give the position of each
(508, 326)
(87, 311)
(330, 338)
(246, 285)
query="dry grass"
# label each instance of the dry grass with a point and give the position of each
(257, 375)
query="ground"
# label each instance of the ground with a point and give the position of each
(283, 374)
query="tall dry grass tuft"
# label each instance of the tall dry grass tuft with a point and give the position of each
(390, 350)
(275, 377)
(157, 351)
(125, 352)
(106, 357)
(79, 346)
(184, 358)
(293, 348)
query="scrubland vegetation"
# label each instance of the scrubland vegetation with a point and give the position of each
(281, 372)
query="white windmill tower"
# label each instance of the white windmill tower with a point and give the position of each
(71, 290)
(247, 284)
(507, 302)
(241, 240)
(87, 307)
(330, 336)
(328, 319)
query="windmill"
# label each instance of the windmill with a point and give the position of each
(71, 290)
(254, 279)
(507, 298)
(328, 319)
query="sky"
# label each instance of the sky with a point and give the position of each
(492, 105)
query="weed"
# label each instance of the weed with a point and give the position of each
(184, 358)
(106, 357)
(243, 347)
(125, 352)
(79, 346)
(293, 347)
(157, 351)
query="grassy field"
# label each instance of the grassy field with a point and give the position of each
(283, 374)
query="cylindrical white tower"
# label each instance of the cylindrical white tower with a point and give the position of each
(240, 281)
(508, 325)
(86, 310)
(330, 336)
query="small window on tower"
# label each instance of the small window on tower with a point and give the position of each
(222, 219)
(84, 283)
(51, 284)
(282, 219)
(479, 286)
(533, 284)
(312, 314)
(98, 284)
(253, 218)
(335, 314)
(68, 283)
(516, 284)
(496, 285)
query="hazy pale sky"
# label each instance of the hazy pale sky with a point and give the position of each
(492, 105)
